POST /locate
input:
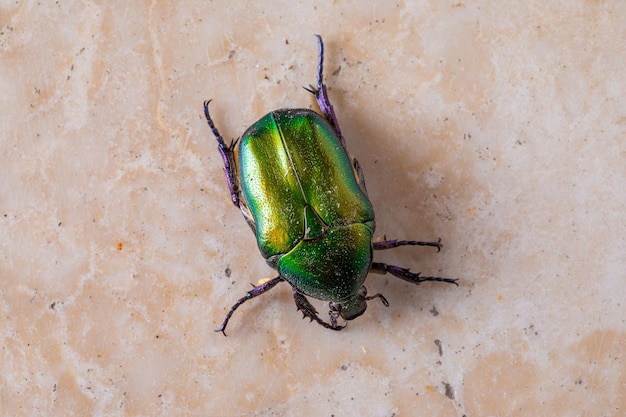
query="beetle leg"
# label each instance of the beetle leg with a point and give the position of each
(390, 244)
(334, 313)
(359, 175)
(382, 299)
(321, 96)
(255, 292)
(403, 273)
(311, 313)
(227, 156)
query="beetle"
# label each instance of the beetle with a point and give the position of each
(305, 199)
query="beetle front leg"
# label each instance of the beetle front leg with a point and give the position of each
(255, 292)
(403, 273)
(390, 244)
(311, 313)
(227, 156)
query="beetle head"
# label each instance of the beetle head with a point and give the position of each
(354, 306)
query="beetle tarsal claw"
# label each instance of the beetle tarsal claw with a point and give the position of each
(313, 90)
(338, 327)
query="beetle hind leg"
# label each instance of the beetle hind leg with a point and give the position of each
(406, 275)
(390, 244)
(227, 156)
(321, 95)
(255, 292)
(310, 312)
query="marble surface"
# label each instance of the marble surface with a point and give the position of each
(498, 126)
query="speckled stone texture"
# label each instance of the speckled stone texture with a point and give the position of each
(499, 126)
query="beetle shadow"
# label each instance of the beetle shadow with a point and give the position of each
(406, 206)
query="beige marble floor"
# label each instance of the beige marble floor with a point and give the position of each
(499, 126)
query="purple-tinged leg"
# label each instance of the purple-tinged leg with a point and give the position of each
(311, 313)
(359, 175)
(255, 292)
(227, 156)
(382, 299)
(403, 273)
(390, 244)
(321, 96)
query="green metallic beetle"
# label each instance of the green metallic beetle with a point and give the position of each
(305, 199)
